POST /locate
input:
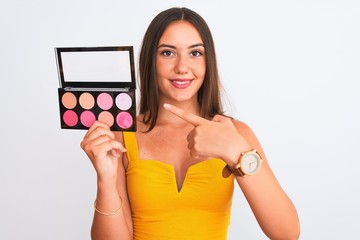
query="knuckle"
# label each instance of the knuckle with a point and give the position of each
(106, 138)
(196, 147)
(87, 148)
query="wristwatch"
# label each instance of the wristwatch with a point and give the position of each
(249, 163)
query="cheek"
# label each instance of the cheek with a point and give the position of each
(163, 68)
(200, 65)
(199, 70)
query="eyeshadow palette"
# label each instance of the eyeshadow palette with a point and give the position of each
(97, 83)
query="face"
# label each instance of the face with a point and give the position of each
(180, 63)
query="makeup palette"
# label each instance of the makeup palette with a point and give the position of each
(97, 83)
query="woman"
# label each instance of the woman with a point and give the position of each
(170, 179)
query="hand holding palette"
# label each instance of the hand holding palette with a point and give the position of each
(97, 83)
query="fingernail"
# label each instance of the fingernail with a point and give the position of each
(115, 153)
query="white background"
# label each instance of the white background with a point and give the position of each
(290, 69)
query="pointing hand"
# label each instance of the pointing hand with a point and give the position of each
(217, 138)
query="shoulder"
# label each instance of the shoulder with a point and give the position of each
(247, 132)
(243, 128)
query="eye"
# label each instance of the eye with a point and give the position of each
(196, 53)
(167, 53)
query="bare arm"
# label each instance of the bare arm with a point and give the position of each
(106, 152)
(271, 206)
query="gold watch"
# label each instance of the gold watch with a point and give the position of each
(249, 163)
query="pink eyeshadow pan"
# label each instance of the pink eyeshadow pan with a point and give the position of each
(106, 117)
(86, 100)
(87, 118)
(105, 101)
(70, 118)
(124, 120)
(69, 100)
(123, 101)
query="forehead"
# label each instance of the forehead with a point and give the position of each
(181, 33)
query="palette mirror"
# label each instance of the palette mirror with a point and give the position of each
(96, 66)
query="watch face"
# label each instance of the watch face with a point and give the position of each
(250, 163)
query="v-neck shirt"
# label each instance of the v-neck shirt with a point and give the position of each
(199, 210)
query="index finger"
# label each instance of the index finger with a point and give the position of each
(188, 117)
(103, 126)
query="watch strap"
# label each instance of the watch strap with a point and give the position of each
(235, 171)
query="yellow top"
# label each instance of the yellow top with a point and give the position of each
(199, 210)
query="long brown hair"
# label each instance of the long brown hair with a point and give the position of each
(209, 97)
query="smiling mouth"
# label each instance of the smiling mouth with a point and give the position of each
(181, 84)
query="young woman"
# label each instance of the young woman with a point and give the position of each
(174, 177)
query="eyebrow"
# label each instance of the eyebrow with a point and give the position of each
(173, 47)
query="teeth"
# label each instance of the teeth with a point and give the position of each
(181, 82)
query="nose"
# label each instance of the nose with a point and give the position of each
(182, 65)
